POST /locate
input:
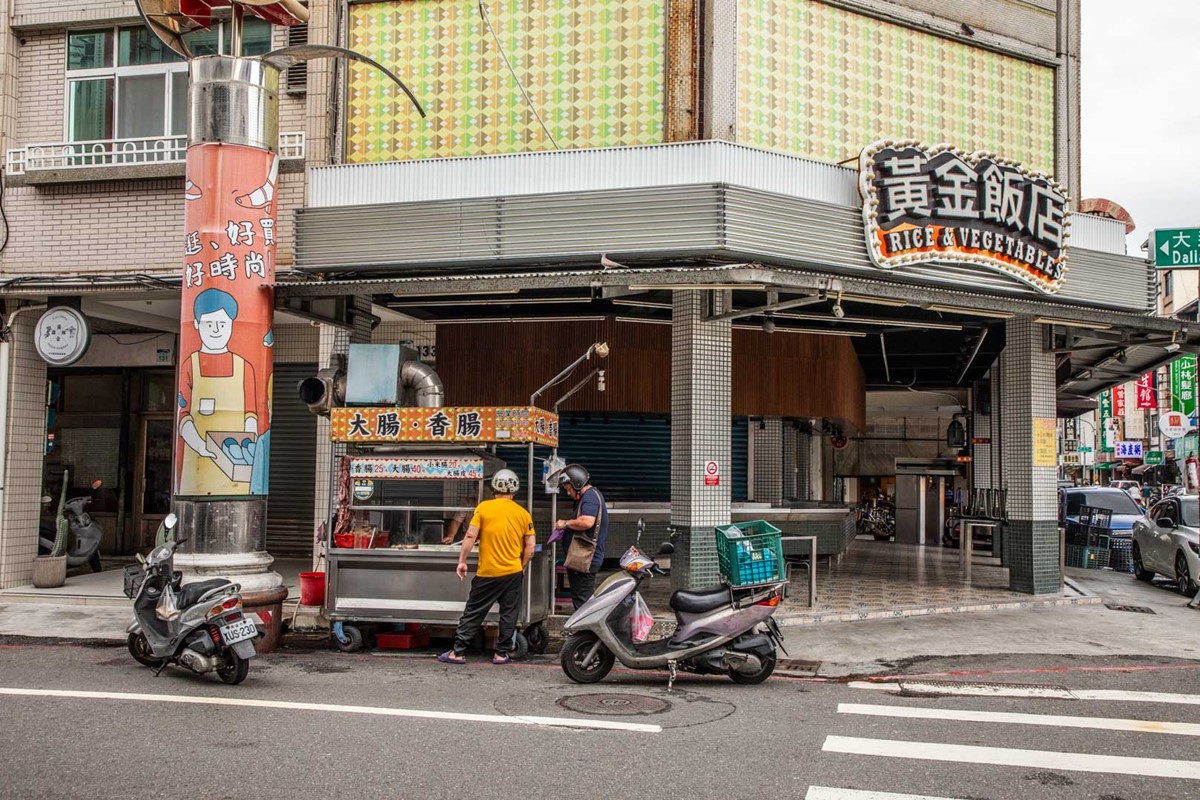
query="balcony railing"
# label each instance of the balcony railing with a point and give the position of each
(120, 153)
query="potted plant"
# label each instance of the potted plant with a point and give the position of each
(50, 572)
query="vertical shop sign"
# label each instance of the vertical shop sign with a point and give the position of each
(1145, 391)
(225, 338)
(1183, 385)
(1118, 406)
(1106, 420)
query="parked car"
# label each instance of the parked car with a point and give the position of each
(1166, 541)
(1125, 512)
(1132, 488)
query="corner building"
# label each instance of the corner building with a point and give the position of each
(679, 179)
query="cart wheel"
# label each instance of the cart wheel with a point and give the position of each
(522, 646)
(539, 638)
(354, 639)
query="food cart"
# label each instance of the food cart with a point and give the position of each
(406, 474)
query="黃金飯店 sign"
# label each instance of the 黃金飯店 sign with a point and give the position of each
(939, 204)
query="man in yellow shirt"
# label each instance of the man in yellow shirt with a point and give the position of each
(505, 533)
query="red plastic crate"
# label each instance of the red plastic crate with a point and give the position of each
(402, 641)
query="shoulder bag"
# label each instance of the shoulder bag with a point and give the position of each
(583, 545)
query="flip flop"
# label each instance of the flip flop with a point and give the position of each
(499, 659)
(450, 657)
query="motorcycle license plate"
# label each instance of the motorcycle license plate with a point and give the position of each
(238, 631)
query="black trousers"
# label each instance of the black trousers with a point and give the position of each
(506, 591)
(582, 585)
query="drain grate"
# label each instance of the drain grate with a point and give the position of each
(1134, 609)
(614, 705)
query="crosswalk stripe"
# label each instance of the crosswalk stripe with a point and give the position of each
(1050, 720)
(949, 689)
(1045, 759)
(832, 793)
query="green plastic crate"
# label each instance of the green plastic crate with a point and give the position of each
(750, 553)
(1087, 557)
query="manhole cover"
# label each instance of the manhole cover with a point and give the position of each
(616, 705)
(1134, 609)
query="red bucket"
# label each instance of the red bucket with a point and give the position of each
(312, 588)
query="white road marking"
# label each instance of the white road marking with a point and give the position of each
(1137, 697)
(1045, 759)
(832, 793)
(946, 688)
(971, 690)
(1050, 720)
(558, 722)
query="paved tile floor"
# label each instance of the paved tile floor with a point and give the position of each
(880, 580)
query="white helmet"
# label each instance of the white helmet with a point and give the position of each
(506, 482)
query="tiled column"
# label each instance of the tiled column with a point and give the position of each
(981, 464)
(768, 460)
(25, 441)
(701, 354)
(790, 440)
(334, 341)
(1028, 389)
(804, 466)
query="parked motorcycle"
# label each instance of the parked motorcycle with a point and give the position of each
(200, 626)
(85, 536)
(719, 630)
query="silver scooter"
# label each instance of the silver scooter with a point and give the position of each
(86, 533)
(200, 626)
(719, 630)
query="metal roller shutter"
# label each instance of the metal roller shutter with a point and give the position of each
(293, 466)
(629, 455)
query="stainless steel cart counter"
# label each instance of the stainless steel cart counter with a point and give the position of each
(396, 585)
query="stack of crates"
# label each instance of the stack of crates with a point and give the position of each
(750, 553)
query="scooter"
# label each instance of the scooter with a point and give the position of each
(200, 626)
(85, 534)
(719, 630)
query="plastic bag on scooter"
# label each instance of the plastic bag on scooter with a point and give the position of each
(167, 608)
(640, 620)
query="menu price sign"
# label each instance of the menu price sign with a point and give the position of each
(1045, 442)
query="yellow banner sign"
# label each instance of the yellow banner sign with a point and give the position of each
(475, 424)
(1045, 442)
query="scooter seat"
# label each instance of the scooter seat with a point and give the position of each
(192, 592)
(700, 600)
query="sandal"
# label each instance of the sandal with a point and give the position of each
(451, 657)
(499, 659)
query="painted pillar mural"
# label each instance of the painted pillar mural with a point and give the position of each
(225, 371)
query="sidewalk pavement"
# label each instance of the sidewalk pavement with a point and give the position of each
(872, 646)
(838, 649)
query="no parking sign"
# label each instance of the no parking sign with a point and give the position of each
(712, 474)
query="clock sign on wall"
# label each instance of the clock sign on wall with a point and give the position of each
(62, 336)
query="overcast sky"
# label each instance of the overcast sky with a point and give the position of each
(1141, 110)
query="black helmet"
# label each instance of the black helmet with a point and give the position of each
(574, 475)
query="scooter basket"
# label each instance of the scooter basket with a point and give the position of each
(750, 553)
(134, 575)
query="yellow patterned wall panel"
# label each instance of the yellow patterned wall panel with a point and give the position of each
(594, 69)
(821, 82)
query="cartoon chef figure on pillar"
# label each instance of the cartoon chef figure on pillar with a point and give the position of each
(217, 394)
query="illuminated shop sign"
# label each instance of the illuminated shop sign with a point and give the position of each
(942, 205)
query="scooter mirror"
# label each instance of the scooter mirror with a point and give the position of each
(641, 528)
(170, 521)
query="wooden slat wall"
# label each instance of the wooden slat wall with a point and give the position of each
(778, 375)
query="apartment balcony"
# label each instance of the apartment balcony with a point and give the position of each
(118, 159)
